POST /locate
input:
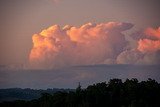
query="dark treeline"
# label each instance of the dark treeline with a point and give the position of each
(115, 93)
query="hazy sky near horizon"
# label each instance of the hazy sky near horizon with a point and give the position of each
(70, 77)
(20, 19)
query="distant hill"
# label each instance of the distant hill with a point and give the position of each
(12, 94)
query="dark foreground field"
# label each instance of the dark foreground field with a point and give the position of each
(115, 93)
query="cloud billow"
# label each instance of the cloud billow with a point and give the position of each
(89, 44)
(147, 50)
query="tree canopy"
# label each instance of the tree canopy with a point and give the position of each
(115, 93)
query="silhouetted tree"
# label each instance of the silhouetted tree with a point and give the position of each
(115, 93)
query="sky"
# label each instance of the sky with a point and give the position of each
(58, 43)
(69, 77)
(20, 19)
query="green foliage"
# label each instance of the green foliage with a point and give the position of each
(115, 93)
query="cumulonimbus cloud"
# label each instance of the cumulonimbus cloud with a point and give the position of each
(147, 51)
(90, 44)
(151, 42)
